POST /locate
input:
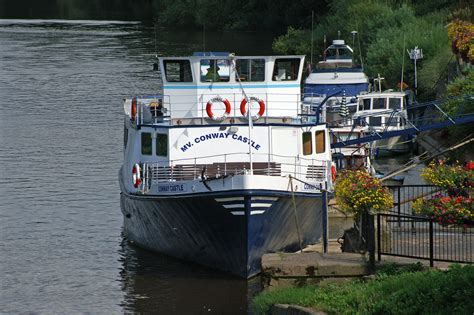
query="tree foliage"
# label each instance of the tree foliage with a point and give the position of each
(385, 31)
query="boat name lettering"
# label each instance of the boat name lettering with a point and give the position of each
(172, 188)
(309, 187)
(220, 135)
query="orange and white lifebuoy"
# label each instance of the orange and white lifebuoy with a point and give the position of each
(333, 173)
(136, 175)
(261, 110)
(211, 102)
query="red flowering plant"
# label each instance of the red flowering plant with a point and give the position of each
(447, 210)
(456, 208)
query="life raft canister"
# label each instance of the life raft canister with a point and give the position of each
(260, 102)
(333, 173)
(211, 102)
(136, 175)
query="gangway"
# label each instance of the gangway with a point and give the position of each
(421, 117)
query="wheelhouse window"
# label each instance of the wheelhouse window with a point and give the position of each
(146, 143)
(320, 141)
(178, 71)
(286, 69)
(307, 143)
(394, 103)
(250, 70)
(161, 144)
(379, 103)
(375, 121)
(364, 104)
(215, 70)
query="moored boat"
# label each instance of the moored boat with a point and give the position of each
(222, 167)
(385, 111)
(339, 78)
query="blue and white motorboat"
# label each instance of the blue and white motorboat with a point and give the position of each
(222, 167)
(338, 79)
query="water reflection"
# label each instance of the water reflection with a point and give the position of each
(160, 284)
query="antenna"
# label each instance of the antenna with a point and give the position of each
(324, 50)
(204, 37)
(312, 26)
(403, 63)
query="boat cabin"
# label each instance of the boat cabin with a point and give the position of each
(382, 109)
(214, 88)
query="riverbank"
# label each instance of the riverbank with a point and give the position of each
(393, 290)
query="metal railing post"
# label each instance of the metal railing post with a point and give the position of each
(325, 221)
(431, 244)
(399, 205)
(379, 236)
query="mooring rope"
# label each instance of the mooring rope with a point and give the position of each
(295, 215)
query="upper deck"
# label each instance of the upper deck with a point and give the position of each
(203, 89)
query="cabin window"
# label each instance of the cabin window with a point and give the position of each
(162, 144)
(215, 70)
(394, 103)
(250, 70)
(375, 121)
(146, 143)
(392, 122)
(364, 104)
(307, 143)
(178, 71)
(320, 137)
(379, 103)
(286, 69)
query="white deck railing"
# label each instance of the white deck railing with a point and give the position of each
(217, 166)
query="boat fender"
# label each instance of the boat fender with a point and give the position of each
(211, 102)
(136, 174)
(333, 173)
(260, 102)
(133, 112)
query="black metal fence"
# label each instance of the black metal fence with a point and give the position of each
(423, 238)
(403, 196)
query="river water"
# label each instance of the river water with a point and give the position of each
(61, 132)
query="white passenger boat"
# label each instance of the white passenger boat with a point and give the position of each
(203, 182)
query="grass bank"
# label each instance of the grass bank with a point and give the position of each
(393, 291)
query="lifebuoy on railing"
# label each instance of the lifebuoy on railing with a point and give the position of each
(261, 110)
(211, 102)
(136, 175)
(333, 173)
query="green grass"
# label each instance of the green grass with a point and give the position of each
(394, 291)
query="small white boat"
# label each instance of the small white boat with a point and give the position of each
(384, 111)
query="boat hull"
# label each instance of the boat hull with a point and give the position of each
(226, 231)
(393, 146)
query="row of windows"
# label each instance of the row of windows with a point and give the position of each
(320, 139)
(218, 70)
(380, 103)
(161, 144)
